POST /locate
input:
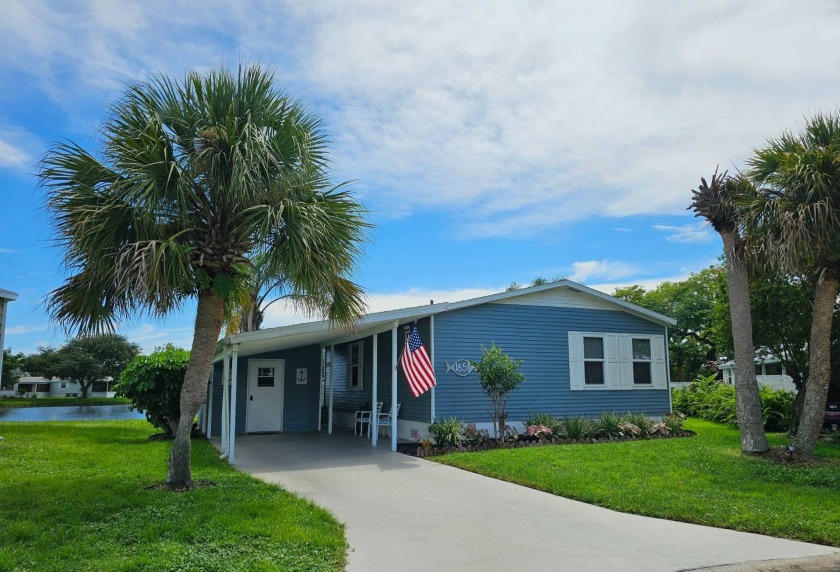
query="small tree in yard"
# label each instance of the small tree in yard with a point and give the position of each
(153, 383)
(498, 375)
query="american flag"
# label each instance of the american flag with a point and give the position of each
(416, 364)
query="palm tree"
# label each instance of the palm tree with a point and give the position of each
(193, 179)
(795, 217)
(716, 202)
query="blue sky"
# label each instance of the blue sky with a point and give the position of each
(492, 142)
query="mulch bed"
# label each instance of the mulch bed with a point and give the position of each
(784, 456)
(423, 452)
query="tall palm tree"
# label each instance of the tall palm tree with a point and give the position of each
(795, 217)
(192, 180)
(716, 202)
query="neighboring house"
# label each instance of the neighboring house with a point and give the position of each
(769, 371)
(43, 387)
(6, 296)
(585, 352)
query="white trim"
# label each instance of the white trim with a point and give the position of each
(432, 358)
(234, 375)
(360, 344)
(668, 371)
(332, 386)
(8, 295)
(210, 388)
(225, 434)
(375, 390)
(394, 428)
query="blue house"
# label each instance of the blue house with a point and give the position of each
(585, 352)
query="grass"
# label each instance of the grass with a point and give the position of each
(703, 479)
(62, 401)
(74, 497)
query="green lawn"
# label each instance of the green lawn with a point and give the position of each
(62, 401)
(703, 479)
(73, 497)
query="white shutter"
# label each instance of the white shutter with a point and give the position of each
(659, 365)
(575, 361)
(625, 353)
(612, 363)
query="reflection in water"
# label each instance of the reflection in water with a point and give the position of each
(76, 413)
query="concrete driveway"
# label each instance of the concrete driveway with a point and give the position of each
(408, 514)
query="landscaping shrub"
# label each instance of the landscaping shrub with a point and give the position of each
(576, 428)
(539, 418)
(708, 398)
(153, 383)
(448, 432)
(538, 432)
(608, 424)
(641, 421)
(674, 422)
(475, 436)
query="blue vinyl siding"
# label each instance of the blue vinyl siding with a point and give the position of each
(300, 402)
(538, 335)
(412, 409)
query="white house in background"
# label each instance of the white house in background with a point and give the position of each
(43, 387)
(769, 371)
(6, 296)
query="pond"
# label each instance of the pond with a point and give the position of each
(75, 413)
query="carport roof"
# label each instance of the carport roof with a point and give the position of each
(8, 295)
(323, 333)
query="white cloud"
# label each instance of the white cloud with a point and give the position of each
(526, 115)
(149, 336)
(12, 156)
(603, 269)
(688, 233)
(19, 330)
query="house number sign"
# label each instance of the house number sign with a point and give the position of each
(459, 367)
(300, 378)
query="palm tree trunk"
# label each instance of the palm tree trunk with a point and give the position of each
(208, 326)
(819, 370)
(747, 403)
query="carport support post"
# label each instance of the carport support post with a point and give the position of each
(233, 379)
(394, 387)
(225, 410)
(209, 410)
(374, 415)
(432, 358)
(332, 379)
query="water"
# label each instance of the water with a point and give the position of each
(75, 413)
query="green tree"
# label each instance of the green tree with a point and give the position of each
(717, 203)
(794, 218)
(153, 383)
(194, 178)
(12, 368)
(85, 360)
(498, 375)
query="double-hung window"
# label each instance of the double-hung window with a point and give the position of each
(355, 358)
(642, 360)
(593, 361)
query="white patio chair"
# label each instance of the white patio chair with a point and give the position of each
(363, 417)
(384, 419)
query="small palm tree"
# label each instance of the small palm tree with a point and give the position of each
(795, 219)
(716, 202)
(195, 178)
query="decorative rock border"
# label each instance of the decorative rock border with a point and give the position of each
(423, 452)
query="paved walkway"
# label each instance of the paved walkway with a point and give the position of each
(408, 514)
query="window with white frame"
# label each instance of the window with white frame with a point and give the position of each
(642, 361)
(617, 361)
(355, 369)
(593, 360)
(62, 384)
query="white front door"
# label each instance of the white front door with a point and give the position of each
(265, 395)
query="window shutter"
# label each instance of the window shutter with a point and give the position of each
(659, 365)
(625, 352)
(575, 361)
(612, 363)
